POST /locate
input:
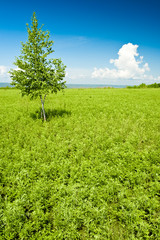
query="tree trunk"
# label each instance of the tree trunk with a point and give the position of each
(43, 111)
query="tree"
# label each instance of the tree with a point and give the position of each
(37, 75)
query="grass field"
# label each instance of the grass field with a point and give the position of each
(92, 171)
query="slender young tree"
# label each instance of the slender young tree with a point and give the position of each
(36, 75)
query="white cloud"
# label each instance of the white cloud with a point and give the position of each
(129, 65)
(4, 75)
(77, 73)
(3, 70)
(157, 79)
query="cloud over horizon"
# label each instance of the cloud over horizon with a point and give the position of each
(4, 75)
(128, 66)
(3, 70)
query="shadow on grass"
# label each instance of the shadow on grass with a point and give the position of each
(50, 114)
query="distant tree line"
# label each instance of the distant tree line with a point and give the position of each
(143, 85)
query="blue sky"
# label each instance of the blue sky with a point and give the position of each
(101, 42)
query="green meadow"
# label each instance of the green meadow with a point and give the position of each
(92, 171)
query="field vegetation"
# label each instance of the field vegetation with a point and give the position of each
(91, 171)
